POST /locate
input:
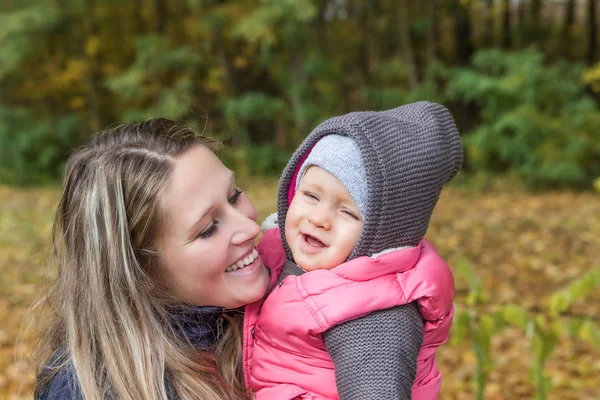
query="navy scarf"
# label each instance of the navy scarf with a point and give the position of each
(202, 326)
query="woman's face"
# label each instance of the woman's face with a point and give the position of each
(207, 242)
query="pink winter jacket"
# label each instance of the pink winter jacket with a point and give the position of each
(284, 352)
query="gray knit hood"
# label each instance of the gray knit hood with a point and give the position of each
(409, 153)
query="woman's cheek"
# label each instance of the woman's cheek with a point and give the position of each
(249, 208)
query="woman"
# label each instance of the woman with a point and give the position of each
(155, 251)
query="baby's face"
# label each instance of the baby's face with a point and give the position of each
(323, 223)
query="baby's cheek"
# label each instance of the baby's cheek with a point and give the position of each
(288, 233)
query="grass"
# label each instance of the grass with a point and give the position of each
(524, 247)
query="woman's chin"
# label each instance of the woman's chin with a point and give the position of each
(251, 291)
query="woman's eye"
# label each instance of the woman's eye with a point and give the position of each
(236, 196)
(208, 232)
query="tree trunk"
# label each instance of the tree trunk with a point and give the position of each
(506, 33)
(296, 85)
(137, 17)
(462, 32)
(522, 17)
(361, 19)
(231, 89)
(567, 27)
(432, 35)
(592, 43)
(488, 24)
(281, 134)
(94, 77)
(406, 44)
(160, 11)
(536, 20)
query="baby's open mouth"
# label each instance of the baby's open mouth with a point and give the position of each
(313, 241)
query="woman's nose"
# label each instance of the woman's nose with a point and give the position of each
(246, 228)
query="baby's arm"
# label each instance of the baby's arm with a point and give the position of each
(375, 356)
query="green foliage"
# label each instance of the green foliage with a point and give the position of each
(536, 119)
(155, 60)
(253, 110)
(253, 107)
(34, 150)
(20, 29)
(576, 290)
(269, 71)
(543, 329)
(255, 160)
(515, 315)
(260, 27)
(390, 88)
(467, 272)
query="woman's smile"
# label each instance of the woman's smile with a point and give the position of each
(244, 262)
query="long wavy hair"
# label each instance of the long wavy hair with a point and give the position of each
(109, 318)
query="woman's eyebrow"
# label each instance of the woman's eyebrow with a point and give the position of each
(194, 227)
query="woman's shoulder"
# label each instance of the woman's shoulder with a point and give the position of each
(63, 385)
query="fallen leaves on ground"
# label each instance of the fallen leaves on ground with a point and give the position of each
(523, 246)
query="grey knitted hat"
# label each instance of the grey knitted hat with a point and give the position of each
(409, 153)
(340, 156)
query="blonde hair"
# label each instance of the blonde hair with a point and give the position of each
(110, 320)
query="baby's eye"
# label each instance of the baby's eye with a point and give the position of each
(311, 195)
(351, 214)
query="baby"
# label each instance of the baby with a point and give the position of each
(362, 300)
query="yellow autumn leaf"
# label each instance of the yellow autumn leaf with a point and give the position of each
(77, 102)
(92, 45)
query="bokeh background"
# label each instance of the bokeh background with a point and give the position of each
(519, 225)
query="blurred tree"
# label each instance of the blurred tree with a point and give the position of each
(254, 73)
(488, 24)
(161, 16)
(506, 25)
(592, 53)
(407, 47)
(522, 21)
(432, 32)
(536, 20)
(537, 122)
(568, 23)
(462, 30)
(283, 23)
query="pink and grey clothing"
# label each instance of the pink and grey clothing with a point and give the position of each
(409, 153)
(289, 358)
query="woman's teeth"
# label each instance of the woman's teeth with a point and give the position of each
(243, 262)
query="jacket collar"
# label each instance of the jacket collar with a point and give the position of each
(202, 326)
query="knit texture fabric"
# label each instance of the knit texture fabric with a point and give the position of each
(340, 156)
(381, 348)
(409, 153)
(375, 356)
